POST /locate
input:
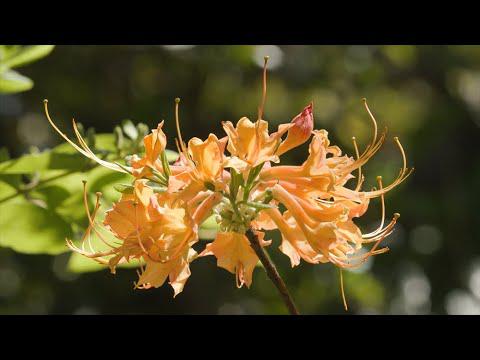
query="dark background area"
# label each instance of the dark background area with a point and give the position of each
(429, 96)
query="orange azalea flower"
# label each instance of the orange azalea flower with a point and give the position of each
(157, 219)
(200, 165)
(234, 253)
(318, 225)
(203, 169)
(151, 227)
(250, 144)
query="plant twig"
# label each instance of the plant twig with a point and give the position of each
(272, 272)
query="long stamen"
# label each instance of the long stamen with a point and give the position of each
(368, 238)
(404, 157)
(80, 150)
(402, 176)
(94, 157)
(89, 228)
(362, 258)
(179, 133)
(375, 128)
(84, 149)
(96, 256)
(264, 89)
(342, 289)
(91, 219)
(95, 209)
(382, 197)
(368, 153)
(139, 238)
(357, 154)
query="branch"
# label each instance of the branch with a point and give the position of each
(272, 272)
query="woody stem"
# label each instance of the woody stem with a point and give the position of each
(272, 272)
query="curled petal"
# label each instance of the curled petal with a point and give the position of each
(300, 132)
(234, 254)
(155, 273)
(208, 157)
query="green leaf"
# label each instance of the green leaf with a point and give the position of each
(91, 138)
(30, 229)
(143, 130)
(4, 154)
(156, 187)
(26, 54)
(81, 264)
(118, 136)
(12, 82)
(47, 160)
(105, 142)
(68, 198)
(62, 157)
(130, 129)
(7, 188)
(124, 188)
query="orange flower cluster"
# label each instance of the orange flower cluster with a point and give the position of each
(238, 180)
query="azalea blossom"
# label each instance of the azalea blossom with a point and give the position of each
(239, 179)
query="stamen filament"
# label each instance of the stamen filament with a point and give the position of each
(342, 289)
(375, 129)
(179, 133)
(264, 89)
(357, 154)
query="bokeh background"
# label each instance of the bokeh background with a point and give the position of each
(429, 96)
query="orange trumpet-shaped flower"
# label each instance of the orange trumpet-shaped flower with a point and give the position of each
(250, 144)
(202, 169)
(313, 204)
(234, 253)
(150, 227)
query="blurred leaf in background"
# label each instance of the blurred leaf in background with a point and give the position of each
(49, 207)
(13, 56)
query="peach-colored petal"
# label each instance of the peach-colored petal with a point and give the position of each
(208, 157)
(125, 218)
(143, 192)
(234, 253)
(300, 132)
(155, 273)
(251, 143)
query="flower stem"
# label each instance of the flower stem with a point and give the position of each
(272, 272)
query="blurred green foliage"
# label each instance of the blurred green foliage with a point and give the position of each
(12, 56)
(429, 96)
